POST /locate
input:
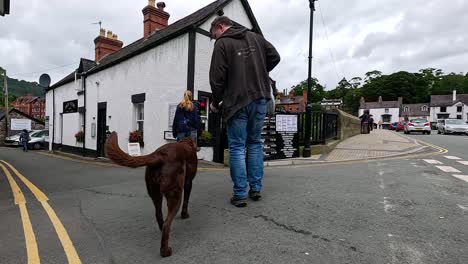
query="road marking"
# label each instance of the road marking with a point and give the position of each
(431, 161)
(461, 177)
(452, 158)
(464, 208)
(448, 169)
(62, 233)
(463, 162)
(29, 237)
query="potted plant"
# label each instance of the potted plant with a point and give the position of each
(205, 142)
(79, 136)
(136, 136)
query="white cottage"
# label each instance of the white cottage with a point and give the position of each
(137, 87)
(386, 111)
(449, 106)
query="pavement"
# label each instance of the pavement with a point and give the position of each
(400, 209)
(378, 144)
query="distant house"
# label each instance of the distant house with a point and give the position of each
(291, 103)
(30, 105)
(449, 106)
(329, 104)
(386, 111)
(413, 111)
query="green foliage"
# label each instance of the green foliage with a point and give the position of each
(318, 91)
(206, 139)
(11, 99)
(413, 87)
(21, 87)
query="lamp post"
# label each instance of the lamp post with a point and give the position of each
(5, 93)
(307, 151)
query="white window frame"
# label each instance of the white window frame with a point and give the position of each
(137, 116)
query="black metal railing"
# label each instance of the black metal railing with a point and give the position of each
(324, 127)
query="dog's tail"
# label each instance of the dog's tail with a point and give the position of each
(118, 156)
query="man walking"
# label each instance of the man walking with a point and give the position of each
(239, 79)
(24, 139)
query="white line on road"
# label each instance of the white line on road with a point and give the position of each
(461, 177)
(448, 169)
(463, 162)
(430, 161)
(463, 207)
(452, 158)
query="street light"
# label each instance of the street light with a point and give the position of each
(307, 151)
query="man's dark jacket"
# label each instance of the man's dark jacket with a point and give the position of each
(239, 69)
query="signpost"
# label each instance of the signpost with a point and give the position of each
(134, 149)
(20, 124)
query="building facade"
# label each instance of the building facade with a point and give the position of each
(31, 105)
(137, 87)
(386, 111)
(291, 103)
(449, 106)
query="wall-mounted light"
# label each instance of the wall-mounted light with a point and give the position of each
(97, 83)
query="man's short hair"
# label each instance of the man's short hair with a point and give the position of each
(221, 20)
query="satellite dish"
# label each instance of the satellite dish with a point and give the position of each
(44, 80)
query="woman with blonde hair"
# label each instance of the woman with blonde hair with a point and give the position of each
(186, 120)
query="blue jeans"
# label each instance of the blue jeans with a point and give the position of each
(244, 129)
(191, 134)
(25, 145)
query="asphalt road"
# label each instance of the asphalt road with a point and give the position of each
(385, 211)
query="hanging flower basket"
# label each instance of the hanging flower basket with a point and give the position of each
(136, 136)
(79, 136)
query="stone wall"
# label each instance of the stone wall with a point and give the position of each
(348, 125)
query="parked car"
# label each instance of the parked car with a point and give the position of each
(37, 141)
(393, 126)
(452, 126)
(400, 126)
(418, 125)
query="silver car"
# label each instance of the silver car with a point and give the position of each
(452, 126)
(37, 139)
(418, 125)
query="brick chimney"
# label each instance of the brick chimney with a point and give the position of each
(105, 45)
(154, 18)
(454, 96)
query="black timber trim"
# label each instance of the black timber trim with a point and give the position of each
(139, 98)
(191, 61)
(75, 150)
(80, 93)
(102, 105)
(203, 32)
(250, 14)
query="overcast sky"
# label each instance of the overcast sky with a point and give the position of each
(352, 38)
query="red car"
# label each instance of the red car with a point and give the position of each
(400, 126)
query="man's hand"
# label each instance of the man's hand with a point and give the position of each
(213, 108)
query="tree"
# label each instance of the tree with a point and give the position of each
(372, 75)
(318, 91)
(356, 82)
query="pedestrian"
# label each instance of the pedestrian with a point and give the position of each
(371, 122)
(380, 124)
(24, 139)
(365, 117)
(239, 79)
(186, 121)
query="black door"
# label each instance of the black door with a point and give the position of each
(101, 129)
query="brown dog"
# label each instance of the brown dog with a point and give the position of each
(169, 172)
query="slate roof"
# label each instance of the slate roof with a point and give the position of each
(173, 30)
(447, 100)
(3, 112)
(415, 110)
(287, 100)
(85, 65)
(383, 104)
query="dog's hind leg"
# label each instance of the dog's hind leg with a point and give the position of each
(187, 190)
(174, 200)
(154, 191)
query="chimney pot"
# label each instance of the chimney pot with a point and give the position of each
(102, 32)
(152, 3)
(454, 95)
(109, 34)
(106, 44)
(161, 5)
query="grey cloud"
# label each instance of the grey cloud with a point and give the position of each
(46, 34)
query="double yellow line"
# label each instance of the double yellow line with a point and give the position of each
(30, 238)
